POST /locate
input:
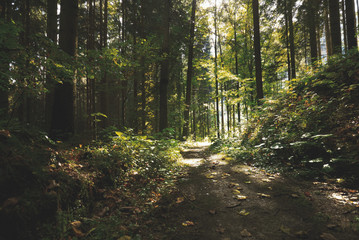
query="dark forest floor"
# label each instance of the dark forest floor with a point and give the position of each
(221, 200)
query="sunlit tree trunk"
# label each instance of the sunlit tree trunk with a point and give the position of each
(291, 39)
(216, 70)
(189, 72)
(344, 23)
(257, 51)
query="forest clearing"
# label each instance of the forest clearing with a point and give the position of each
(179, 119)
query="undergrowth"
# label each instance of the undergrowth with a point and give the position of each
(97, 191)
(310, 129)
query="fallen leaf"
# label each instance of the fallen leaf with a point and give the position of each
(263, 195)
(285, 229)
(188, 223)
(125, 238)
(75, 227)
(235, 191)
(294, 195)
(192, 198)
(232, 184)
(266, 180)
(328, 236)
(245, 233)
(270, 188)
(220, 230)
(180, 199)
(247, 182)
(226, 175)
(212, 211)
(301, 234)
(243, 212)
(331, 226)
(240, 197)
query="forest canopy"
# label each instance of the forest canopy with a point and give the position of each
(191, 68)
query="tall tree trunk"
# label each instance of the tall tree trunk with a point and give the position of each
(257, 50)
(237, 73)
(104, 96)
(62, 123)
(342, 4)
(335, 32)
(164, 79)
(189, 72)
(216, 70)
(312, 22)
(4, 66)
(51, 30)
(287, 41)
(328, 37)
(351, 24)
(291, 39)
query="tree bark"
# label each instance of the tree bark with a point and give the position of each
(62, 123)
(312, 22)
(328, 37)
(216, 71)
(257, 51)
(335, 32)
(189, 72)
(164, 79)
(351, 24)
(291, 39)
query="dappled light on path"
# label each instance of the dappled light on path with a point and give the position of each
(218, 199)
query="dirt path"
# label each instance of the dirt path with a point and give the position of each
(220, 200)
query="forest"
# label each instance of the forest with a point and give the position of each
(179, 119)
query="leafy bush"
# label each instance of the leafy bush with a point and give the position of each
(310, 125)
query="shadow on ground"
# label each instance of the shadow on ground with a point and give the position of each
(220, 200)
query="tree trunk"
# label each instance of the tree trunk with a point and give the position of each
(287, 41)
(237, 73)
(189, 72)
(335, 32)
(164, 79)
(312, 22)
(216, 70)
(291, 40)
(62, 123)
(351, 24)
(328, 37)
(51, 30)
(4, 67)
(257, 51)
(104, 96)
(342, 4)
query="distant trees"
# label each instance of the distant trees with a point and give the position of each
(149, 65)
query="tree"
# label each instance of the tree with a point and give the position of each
(164, 80)
(335, 33)
(189, 71)
(257, 50)
(351, 26)
(311, 21)
(62, 122)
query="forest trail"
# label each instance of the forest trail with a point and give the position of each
(217, 199)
